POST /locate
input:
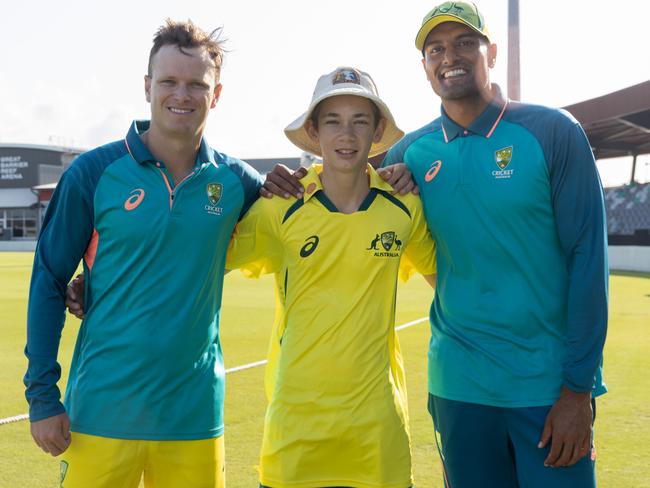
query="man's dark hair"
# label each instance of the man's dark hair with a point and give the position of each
(187, 35)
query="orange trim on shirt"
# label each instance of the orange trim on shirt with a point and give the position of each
(444, 133)
(498, 119)
(126, 143)
(91, 250)
(169, 188)
(179, 183)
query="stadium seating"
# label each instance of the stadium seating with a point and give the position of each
(628, 209)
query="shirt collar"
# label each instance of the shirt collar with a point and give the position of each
(312, 183)
(484, 124)
(140, 152)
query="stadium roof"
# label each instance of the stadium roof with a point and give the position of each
(53, 147)
(617, 124)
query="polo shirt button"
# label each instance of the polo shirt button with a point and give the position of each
(158, 164)
(465, 133)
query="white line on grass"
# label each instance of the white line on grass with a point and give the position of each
(245, 366)
(18, 418)
(413, 322)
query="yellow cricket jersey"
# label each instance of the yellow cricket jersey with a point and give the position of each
(337, 413)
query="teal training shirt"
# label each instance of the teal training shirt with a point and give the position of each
(147, 362)
(515, 206)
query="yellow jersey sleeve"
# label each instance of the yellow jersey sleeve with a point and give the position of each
(420, 252)
(255, 247)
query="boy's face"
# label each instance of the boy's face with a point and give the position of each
(346, 130)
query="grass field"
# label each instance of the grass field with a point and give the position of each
(622, 428)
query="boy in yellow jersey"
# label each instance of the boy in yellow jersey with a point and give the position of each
(337, 413)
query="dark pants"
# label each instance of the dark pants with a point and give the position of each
(484, 446)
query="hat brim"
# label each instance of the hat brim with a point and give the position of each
(434, 22)
(297, 132)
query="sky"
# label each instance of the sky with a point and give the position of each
(71, 71)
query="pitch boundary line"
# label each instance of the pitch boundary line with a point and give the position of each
(246, 366)
(11, 420)
(235, 369)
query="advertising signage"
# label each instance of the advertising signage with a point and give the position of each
(19, 166)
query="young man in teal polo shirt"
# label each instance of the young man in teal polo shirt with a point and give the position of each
(151, 216)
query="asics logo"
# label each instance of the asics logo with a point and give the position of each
(310, 247)
(134, 200)
(432, 171)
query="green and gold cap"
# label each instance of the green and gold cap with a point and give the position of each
(465, 13)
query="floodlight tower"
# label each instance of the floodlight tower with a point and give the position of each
(513, 50)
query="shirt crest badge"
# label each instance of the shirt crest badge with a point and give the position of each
(502, 157)
(214, 191)
(387, 240)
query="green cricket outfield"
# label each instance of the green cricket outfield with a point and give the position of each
(622, 426)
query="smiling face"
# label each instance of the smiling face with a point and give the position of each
(181, 88)
(345, 128)
(457, 61)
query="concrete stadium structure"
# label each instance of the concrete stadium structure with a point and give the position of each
(24, 169)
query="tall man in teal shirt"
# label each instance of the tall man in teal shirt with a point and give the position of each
(513, 200)
(151, 215)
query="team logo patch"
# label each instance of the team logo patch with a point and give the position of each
(64, 470)
(347, 76)
(503, 157)
(134, 200)
(389, 241)
(214, 191)
(309, 247)
(432, 171)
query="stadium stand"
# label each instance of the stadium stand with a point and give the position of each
(628, 214)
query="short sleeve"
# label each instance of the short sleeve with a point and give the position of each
(420, 252)
(255, 247)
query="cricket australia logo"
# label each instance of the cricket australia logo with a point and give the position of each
(389, 242)
(214, 191)
(502, 158)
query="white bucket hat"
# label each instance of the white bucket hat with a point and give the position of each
(344, 81)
